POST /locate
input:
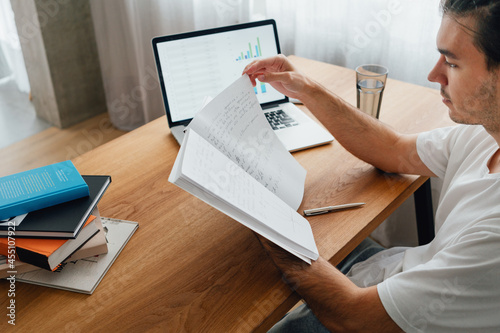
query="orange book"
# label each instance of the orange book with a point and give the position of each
(49, 253)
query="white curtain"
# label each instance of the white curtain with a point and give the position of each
(124, 29)
(12, 65)
(399, 34)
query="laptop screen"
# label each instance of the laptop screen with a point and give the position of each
(200, 64)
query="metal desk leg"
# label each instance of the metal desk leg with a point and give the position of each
(425, 213)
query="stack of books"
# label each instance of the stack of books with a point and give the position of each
(48, 219)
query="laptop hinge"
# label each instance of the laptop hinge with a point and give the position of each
(270, 106)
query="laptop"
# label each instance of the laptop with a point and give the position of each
(196, 65)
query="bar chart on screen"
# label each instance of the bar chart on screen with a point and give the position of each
(262, 88)
(253, 51)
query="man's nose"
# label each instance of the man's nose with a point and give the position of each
(438, 73)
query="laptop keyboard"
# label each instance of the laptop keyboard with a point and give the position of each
(278, 119)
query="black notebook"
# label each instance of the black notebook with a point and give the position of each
(60, 221)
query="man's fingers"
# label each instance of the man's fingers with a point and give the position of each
(249, 69)
(277, 63)
(273, 77)
(266, 244)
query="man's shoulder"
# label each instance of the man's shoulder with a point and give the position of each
(461, 130)
(461, 135)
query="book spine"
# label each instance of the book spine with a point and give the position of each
(40, 188)
(33, 258)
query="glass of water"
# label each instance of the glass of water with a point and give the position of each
(370, 84)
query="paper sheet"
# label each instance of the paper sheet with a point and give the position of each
(216, 180)
(235, 124)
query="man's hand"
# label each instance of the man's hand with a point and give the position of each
(287, 263)
(279, 72)
(340, 305)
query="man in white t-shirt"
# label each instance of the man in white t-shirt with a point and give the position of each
(453, 283)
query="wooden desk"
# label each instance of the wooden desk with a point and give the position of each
(191, 268)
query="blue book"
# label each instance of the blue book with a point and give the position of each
(39, 188)
(64, 220)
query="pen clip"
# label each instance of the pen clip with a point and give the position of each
(307, 213)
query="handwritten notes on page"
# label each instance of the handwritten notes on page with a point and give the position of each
(231, 159)
(234, 123)
(208, 174)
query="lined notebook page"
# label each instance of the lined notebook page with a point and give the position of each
(225, 186)
(235, 124)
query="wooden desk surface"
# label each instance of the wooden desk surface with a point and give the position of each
(189, 267)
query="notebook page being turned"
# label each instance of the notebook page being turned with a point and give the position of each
(234, 123)
(241, 197)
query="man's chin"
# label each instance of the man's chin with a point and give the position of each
(462, 121)
(454, 117)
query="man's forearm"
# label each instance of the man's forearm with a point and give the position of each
(340, 305)
(365, 137)
(362, 135)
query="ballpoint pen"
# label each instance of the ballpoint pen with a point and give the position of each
(323, 210)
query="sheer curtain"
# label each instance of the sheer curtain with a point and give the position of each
(11, 58)
(124, 29)
(399, 34)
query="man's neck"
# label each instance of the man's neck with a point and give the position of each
(494, 162)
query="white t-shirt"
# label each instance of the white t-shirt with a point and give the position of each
(453, 283)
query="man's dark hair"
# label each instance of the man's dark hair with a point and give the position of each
(486, 13)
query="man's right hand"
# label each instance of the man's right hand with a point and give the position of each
(279, 72)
